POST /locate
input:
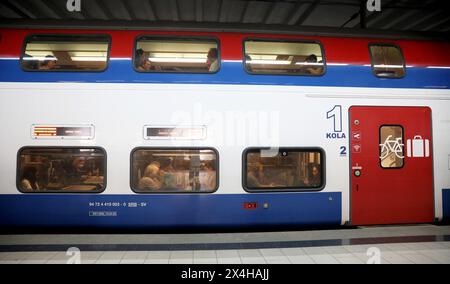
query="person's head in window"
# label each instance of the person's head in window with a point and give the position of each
(311, 58)
(29, 178)
(212, 60)
(78, 165)
(208, 166)
(138, 57)
(151, 178)
(312, 68)
(314, 178)
(256, 177)
(167, 165)
(49, 63)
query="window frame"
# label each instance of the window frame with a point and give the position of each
(379, 148)
(284, 189)
(217, 164)
(288, 40)
(60, 191)
(63, 36)
(181, 39)
(387, 45)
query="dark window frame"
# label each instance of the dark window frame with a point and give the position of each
(386, 45)
(182, 38)
(60, 191)
(284, 189)
(65, 36)
(217, 164)
(379, 148)
(289, 40)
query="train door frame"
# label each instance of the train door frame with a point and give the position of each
(354, 168)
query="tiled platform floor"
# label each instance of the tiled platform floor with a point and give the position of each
(397, 253)
(396, 244)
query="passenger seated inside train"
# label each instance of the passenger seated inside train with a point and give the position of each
(50, 170)
(313, 178)
(285, 170)
(48, 64)
(138, 56)
(173, 171)
(208, 176)
(76, 172)
(29, 180)
(143, 63)
(312, 69)
(256, 177)
(152, 178)
(213, 60)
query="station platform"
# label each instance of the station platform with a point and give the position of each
(394, 244)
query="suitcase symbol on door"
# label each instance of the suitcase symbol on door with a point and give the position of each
(418, 147)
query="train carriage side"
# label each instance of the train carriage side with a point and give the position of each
(148, 129)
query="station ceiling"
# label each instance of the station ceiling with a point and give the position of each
(396, 15)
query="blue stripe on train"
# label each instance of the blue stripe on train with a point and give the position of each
(120, 71)
(168, 211)
(446, 204)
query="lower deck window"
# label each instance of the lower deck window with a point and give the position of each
(285, 170)
(62, 169)
(174, 170)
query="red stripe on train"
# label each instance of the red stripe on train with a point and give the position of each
(337, 50)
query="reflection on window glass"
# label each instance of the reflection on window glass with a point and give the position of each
(295, 58)
(391, 147)
(61, 169)
(65, 53)
(387, 61)
(287, 169)
(174, 170)
(176, 55)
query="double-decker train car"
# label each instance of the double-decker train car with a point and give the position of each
(171, 129)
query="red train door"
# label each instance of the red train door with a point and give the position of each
(391, 165)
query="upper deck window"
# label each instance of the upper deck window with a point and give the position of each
(183, 55)
(283, 57)
(65, 53)
(387, 61)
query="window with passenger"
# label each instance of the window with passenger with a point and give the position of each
(174, 170)
(283, 57)
(65, 53)
(287, 169)
(61, 169)
(184, 55)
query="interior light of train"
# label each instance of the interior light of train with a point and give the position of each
(178, 55)
(175, 132)
(388, 66)
(40, 58)
(183, 60)
(309, 63)
(276, 62)
(81, 132)
(88, 58)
